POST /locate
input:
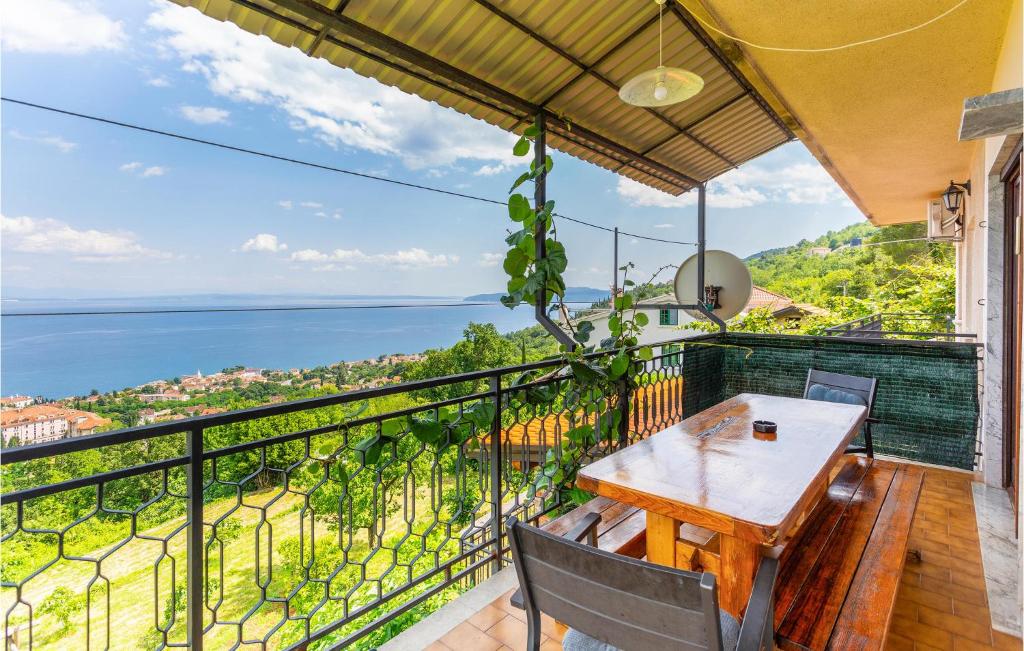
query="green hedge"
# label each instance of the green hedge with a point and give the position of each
(927, 398)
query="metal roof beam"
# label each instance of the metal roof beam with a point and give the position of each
(591, 70)
(712, 47)
(345, 26)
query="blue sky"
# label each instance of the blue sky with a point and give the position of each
(90, 209)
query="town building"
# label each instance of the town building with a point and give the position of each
(42, 423)
(15, 402)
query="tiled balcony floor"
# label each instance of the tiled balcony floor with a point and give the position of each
(942, 603)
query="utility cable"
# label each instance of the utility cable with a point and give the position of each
(304, 163)
(835, 48)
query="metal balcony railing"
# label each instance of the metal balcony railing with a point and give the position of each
(901, 325)
(335, 521)
(323, 520)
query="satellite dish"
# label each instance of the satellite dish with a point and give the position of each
(727, 284)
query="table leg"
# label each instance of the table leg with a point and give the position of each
(661, 539)
(740, 559)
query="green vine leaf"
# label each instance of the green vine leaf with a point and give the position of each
(522, 147)
(515, 262)
(370, 449)
(619, 365)
(519, 208)
(426, 430)
(523, 178)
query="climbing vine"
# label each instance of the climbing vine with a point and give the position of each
(598, 387)
(528, 274)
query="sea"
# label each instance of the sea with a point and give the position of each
(57, 354)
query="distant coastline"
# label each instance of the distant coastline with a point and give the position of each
(59, 356)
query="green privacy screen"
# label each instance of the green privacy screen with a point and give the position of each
(927, 398)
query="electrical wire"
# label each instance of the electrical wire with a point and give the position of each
(834, 48)
(319, 166)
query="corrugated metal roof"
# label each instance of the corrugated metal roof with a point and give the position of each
(503, 61)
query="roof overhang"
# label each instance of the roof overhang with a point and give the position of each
(506, 61)
(883, 118)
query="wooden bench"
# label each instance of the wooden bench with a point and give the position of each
(839, 575)
(622, 530)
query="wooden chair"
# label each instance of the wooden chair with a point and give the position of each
(616, 602)
(851, 389)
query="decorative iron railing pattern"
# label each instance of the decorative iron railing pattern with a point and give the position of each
(324, 521)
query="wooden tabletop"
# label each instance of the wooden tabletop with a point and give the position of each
(711, 471)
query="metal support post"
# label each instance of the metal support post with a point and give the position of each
(701, 246)
(194, 542)
(615, 267)
(540, 197)
(495, 472)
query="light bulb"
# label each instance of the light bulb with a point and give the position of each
(660, 92)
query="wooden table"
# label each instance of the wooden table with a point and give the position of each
(711, 471)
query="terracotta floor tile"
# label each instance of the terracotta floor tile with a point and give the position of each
(934, 600)
(922, 634)
(931, 570)
(977, 629)
(437, 645)
(551, 628)
(905, 608)
(487, 617)
(965, 644)
(1005, 642)
(929, 545)
(510, 631)
(958, 592)
(894, 642)
(551, 645)
(467, 636)
(969, 580)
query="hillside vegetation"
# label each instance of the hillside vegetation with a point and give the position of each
(882, 273)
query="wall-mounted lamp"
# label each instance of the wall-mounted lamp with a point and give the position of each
(953, 197)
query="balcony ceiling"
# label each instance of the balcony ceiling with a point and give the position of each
(503, 60)
(883, 118)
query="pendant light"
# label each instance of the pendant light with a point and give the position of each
(663, 85)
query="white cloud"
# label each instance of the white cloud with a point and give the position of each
(664, 226)
(491, 259)
(493, 170)
(333, 105)
(286, 204)
(747, 186)
(264, 242)
(138, 169)
(204, 114)
(309, 255)
(414, 258)
(29, 235)
(58, 27)
(158, 82)
(56, 142)
(311, 204)
(334, 215)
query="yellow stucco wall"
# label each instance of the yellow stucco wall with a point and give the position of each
(882, 117)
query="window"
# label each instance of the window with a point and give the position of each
(667, 317)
